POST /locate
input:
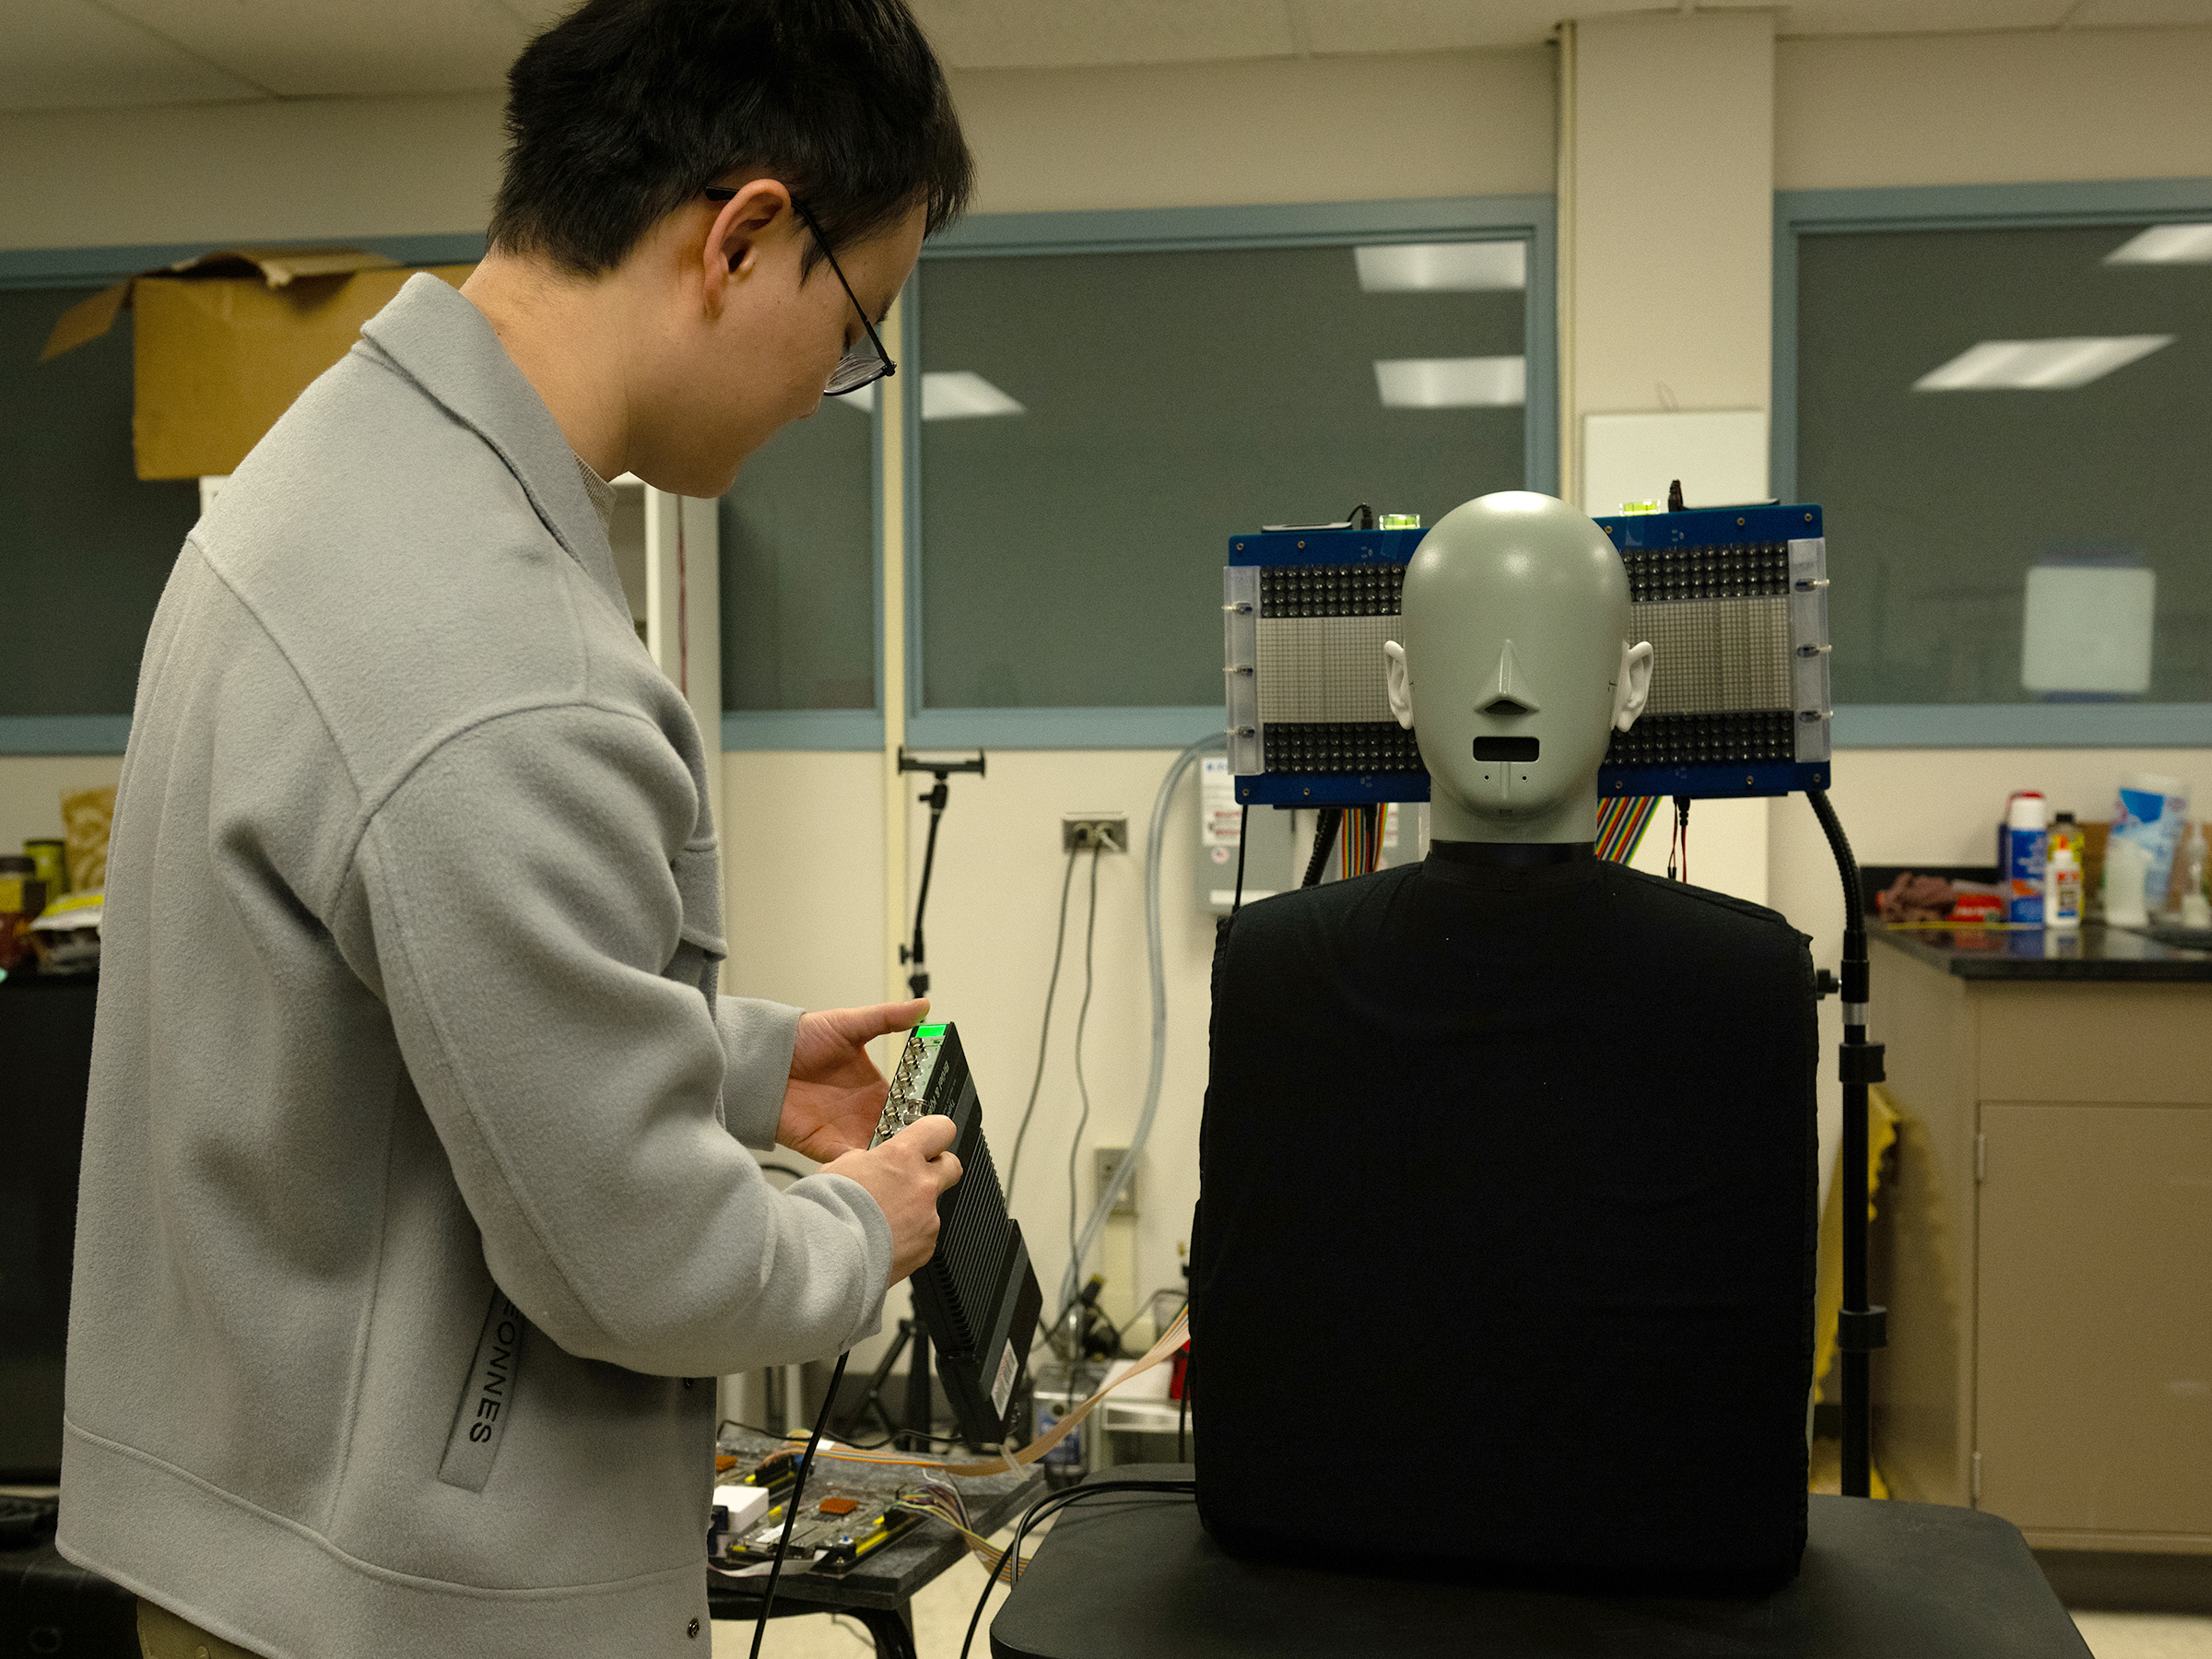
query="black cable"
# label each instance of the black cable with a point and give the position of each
(1243, 827)
(1361, 517)
(1044, 1028)
(791, 1504)
(1054, 1502)
(776, 1434)
(773, 1434)
(1325, 842)
(1074, 1147)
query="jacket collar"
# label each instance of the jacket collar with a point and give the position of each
(439, 339)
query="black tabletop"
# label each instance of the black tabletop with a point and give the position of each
(2093, 952)
(1134, 1576)
(888, 1577)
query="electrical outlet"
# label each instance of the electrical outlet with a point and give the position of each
(1088, 829)
(1105, 1160)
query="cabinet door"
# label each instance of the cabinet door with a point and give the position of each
(2093, 1377)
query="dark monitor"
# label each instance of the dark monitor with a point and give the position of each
(45, 1066)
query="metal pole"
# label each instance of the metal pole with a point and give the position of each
(918, 1413)
(1860, 1328)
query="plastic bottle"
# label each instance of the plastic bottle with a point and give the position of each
(2126, 870)
(2153, 810)
(2024, 837)
(2196, 905)
(2061, 892)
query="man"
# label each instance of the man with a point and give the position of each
(413, 1232)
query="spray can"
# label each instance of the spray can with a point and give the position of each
(2025, 829)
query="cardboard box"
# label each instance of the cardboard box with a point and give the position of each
(224, 343)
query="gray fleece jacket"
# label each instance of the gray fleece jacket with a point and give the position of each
(414, 1222)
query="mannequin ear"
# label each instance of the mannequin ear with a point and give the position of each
(1631, 686)
(1398, 681)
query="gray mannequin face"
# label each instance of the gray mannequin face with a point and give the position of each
(1513, 667)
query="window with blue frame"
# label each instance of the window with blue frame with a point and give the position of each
(87, 543)
(1096, 423)
(94, 544)
(798, 568)
(2005, 425)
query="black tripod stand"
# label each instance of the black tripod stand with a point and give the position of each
(917, 982)
(1860, 1329)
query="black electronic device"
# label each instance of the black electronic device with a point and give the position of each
(978, 1294)
(1734, 601)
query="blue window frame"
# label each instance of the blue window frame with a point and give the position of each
(1054, 710)
(1961, 487)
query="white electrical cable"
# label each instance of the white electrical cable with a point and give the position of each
(1127, 1168)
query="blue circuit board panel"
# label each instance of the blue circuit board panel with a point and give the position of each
(1733, 599)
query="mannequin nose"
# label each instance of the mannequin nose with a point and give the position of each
(1509, 692)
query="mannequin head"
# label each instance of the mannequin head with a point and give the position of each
(1513, 667)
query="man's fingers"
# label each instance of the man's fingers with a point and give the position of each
(948, 1169)
(928, 1138)
(883, 1019)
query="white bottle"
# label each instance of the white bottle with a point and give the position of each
(2061, 892)
(2126, 869)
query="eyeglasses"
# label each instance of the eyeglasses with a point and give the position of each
(861, 366)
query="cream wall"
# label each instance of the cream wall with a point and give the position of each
(2079, 103)
(805, 833)
(305, 169)
(1320, 130)
(31, 792)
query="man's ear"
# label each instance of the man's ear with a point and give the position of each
(1397, 679)
(730, 251)
(1632, 685)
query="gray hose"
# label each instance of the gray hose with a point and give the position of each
(1125, 1170)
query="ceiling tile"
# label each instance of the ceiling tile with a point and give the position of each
(1916, 16)
(1345, 27)
(2136, 14)
(337, 48)
(1048, 34)
(67, 54)
(537, 16)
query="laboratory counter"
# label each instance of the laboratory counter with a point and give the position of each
(2048, 1213)
(2093, 952)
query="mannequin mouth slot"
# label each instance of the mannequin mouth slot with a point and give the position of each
(1505, 749)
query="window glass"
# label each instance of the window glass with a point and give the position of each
(86, 545)
(1096, 426)
(798, 568)
(2006, 428)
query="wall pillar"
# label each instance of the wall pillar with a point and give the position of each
(1665, 202)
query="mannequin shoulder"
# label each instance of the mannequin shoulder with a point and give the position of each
(1681, 904)
(1329, 910)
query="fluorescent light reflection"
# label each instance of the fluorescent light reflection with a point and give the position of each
(2039, 365)
(1442, 267)
(2166, 244)
(1485, 383)
(947, 395)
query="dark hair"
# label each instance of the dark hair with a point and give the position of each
(626, 110)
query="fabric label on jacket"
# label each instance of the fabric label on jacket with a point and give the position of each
(481, 1418)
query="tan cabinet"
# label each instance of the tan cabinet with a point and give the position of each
(2051, 1253)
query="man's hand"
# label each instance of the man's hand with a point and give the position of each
(905, 1176)
(836, 1094)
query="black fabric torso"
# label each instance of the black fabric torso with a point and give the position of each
(1507, 1174)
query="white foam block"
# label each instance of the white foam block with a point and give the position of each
(747, 1504)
